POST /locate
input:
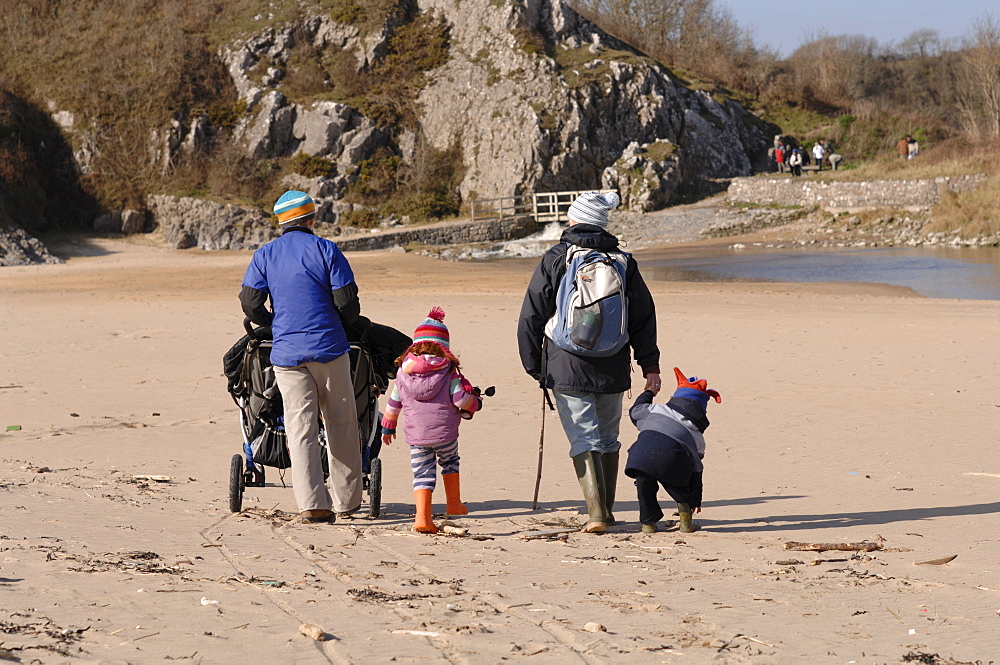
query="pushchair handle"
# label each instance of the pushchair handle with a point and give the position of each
(248, 325)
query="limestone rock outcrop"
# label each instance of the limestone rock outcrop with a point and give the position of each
(121, 221)
(19, 248)
(188, 222)
(531, 121)
(646, 177)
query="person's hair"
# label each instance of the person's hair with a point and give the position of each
(430, 349)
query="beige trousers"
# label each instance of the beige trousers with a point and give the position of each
(307, 391)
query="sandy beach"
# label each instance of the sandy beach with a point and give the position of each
(850, 413)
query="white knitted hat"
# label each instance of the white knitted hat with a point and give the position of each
(593, 207)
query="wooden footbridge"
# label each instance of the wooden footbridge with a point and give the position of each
(542, 206)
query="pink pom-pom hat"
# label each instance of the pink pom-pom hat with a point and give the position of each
(433, 329)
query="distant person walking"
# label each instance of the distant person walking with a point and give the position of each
(313, 300)
(903, 147)
(912, 149)
(795, 162)
(779, 158)
(819, 154)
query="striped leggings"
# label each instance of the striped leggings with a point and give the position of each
(422, 462)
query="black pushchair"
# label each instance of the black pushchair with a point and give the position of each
(248, 368)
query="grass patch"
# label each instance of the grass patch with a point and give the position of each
(952, 158)
(531, 41)
(659, 151)
(573, 63)
(973, 214)
(362, 218)
(367, 16)
(792, 120)
(547, 120)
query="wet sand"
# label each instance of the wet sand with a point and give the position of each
(850, 413)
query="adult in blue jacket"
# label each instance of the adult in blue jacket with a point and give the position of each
(313, 299)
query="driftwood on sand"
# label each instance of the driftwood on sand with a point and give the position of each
(863, 546)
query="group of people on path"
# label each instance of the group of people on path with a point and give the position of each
(314, 306)
(788, 157)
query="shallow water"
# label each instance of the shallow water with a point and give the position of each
(935, 272)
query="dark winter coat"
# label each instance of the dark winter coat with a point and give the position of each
(670, 446)
(565, 371)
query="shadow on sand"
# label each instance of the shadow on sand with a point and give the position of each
(854, 519)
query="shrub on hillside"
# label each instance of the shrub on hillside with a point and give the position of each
(362, 218)
(312, 166)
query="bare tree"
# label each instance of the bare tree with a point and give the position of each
(979, 96)
(920, 44)
(694, 35)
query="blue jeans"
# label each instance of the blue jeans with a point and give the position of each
(590, 420)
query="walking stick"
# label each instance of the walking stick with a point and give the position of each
(541, 443)
(546, 401)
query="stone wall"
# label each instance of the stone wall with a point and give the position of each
(843, 196)
(456, 233)
(188, 223)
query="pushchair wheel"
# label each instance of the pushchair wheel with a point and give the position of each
(375, 488)
(236, 484)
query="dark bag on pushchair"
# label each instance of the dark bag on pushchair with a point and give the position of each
(248, 368)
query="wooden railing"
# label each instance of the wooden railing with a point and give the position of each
(543, 206)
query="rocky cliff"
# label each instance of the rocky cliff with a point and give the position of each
(535, 98)
(558, 119)
(523, 95)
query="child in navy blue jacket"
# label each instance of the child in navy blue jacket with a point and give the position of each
(669, 450)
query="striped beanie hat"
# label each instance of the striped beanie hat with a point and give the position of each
(433, 329)
(593, 207)
(294, 208)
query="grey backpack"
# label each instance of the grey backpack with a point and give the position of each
(591, 317)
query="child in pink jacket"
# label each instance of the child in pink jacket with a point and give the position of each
(432, 390)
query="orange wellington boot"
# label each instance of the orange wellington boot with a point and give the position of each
(423, 522)
(453, 495)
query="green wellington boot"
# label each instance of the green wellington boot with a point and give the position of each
(687, 525)
(590, 473)
(610, 463)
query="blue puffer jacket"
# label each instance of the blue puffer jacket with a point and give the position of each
(311, 288)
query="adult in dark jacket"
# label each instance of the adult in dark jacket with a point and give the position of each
(314, 302)
(588, 390)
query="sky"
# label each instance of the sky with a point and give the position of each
(787, 24)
